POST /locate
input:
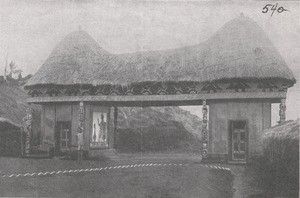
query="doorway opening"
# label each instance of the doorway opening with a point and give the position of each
(238, 140)
(62, 137)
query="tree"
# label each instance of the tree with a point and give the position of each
(13, 70)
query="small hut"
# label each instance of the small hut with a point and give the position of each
(10, 138)
(12, 111)
(281, 158)
(281, 144)
(12, 107)
(237, 72)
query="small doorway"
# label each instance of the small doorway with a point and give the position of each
(238, 140)
(63, 137)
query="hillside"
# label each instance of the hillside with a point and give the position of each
(158, 129)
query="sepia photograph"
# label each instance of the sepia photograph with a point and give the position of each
(149, 98)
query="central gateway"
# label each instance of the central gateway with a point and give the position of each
(237, 73)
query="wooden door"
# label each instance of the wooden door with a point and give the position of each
(238, 135)
(63, 136)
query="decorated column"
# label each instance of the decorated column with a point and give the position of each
(81, 116)
(282, 109)
(115, 125)
(27, 129)
(204, 130)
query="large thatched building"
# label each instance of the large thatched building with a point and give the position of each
(237, 72)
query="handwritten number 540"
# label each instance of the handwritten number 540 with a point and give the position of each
(273, 8)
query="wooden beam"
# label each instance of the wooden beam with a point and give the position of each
(160, 100)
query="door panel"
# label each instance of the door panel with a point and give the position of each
(63, 136)
(238, 139)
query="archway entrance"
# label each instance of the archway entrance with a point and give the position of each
(95, 112)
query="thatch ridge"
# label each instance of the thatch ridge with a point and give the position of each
(238, 50)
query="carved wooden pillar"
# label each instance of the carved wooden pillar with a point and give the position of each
(115, 126)
(282, 109)
(81, 117)
(27, 129)
(204, 130)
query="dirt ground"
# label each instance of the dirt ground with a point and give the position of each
(251, 181)
(245, 182)
(178, 178)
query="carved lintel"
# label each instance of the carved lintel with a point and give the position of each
(105, 90)
(162, 90)
(88, 91)
(238, 86)
(129, 90)
(267, 86)
(72, 91)
(53, 91)
(178, 90)
(208, 87)
(99, 91)
(115, 90)
(146, 91)
(34, 92)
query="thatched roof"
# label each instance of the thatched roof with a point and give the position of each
(288, 129)
(239, 50)
(12, 103)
